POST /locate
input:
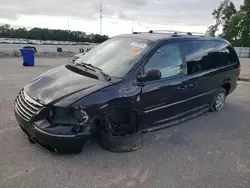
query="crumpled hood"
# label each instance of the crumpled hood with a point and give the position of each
(62, 86)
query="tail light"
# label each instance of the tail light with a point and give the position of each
(238, 71)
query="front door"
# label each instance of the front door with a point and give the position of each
(160, 99)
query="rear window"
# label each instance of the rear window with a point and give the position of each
(206, 55)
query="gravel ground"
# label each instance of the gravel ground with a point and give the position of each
(16, 53)
(212, 150)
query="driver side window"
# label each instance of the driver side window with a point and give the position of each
(167, 59)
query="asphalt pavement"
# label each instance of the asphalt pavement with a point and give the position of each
(212, 150)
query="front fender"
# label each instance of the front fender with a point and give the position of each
(104, 100)
(117, 104)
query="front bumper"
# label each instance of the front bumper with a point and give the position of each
(52, 140)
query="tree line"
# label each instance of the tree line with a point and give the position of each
(50, 34)
(233, 24)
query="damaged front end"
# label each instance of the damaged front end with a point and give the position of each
(63, 129)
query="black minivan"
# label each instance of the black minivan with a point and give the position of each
(148, 80)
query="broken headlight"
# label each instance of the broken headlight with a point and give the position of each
(80, 114)
(51, 114)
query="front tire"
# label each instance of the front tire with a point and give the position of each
(121, 143)
(120, 132)
(219, 100)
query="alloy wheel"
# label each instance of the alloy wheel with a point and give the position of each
(220, 101)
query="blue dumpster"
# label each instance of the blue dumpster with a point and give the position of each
(28, 57)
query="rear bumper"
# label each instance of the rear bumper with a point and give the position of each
(52, 140)
(233, 87)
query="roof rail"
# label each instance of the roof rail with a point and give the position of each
(136, 32)
(177, 33)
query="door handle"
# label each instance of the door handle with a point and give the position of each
(182, 88)
(193, 84)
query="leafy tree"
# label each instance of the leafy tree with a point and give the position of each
(245, 39)
(212, 29)
(50, 34)
(4, 30)
(222, 15)
(234, 30)
(235, 24)
(228, 13)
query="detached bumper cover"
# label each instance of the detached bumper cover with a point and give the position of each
(52, 140)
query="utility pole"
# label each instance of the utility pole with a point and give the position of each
(100, 17)
(68, 28)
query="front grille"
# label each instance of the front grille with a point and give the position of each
(26, 106)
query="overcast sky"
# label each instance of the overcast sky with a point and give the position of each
(119, 16)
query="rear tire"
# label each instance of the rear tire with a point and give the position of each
(219, 100)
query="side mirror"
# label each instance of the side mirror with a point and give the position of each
(151, 75)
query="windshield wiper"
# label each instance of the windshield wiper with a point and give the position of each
(92, 67)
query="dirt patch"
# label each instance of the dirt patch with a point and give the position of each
(38, 54)
(55, 54)
(244, 79)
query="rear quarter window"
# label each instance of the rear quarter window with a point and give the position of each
(206, 55)
(197, 55)
(233, 57)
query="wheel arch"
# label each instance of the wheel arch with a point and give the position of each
(227, 86)
(121, 106)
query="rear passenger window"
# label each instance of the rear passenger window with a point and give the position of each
(205, 55)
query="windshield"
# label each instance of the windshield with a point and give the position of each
(116, 56)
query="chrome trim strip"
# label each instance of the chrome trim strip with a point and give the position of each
(29, 99)
(21, 108)
(21, 113)
(51, 134)
(178, 102)
(28, 103)
(177, 121)
(24, 105)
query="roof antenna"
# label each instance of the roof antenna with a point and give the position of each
(100, 17)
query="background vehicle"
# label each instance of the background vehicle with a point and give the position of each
(77, 56)
(148, 80)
